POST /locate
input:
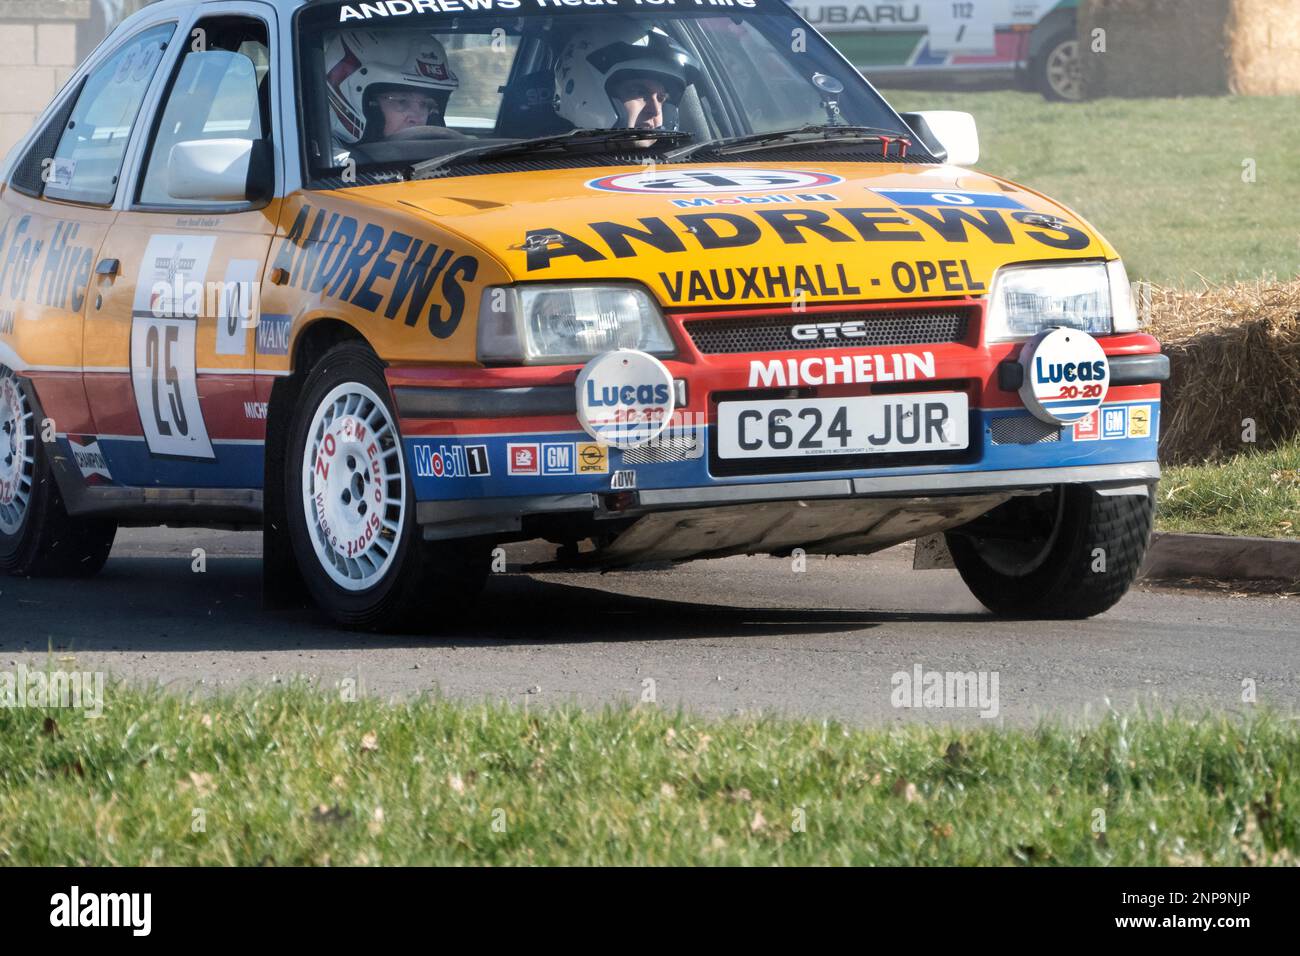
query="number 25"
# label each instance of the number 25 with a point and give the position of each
(156, 372)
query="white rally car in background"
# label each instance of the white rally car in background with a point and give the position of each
(1034, 42)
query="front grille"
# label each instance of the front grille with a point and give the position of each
(671, 446)
(1022, 430)
(774, 333)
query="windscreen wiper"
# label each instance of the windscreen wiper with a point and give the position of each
(813, 133)
(576, 141)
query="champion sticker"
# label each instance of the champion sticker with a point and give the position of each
(1066, 375)
(694, 181)
(90, 460)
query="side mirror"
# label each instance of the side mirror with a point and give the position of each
(953, 133)
(220, 170)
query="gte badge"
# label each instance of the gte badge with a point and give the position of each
(625, 398)
(1066, 375)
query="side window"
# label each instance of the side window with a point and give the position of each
(772, 93)
(482, 64)
(220, 91)
(87, 162)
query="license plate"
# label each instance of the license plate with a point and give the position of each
(873, 424)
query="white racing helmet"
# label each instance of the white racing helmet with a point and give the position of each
(361, 64)
(595, 59)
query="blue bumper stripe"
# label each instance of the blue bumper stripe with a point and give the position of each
(443, 471)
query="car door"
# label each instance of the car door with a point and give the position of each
(57, 209)
(180, 273)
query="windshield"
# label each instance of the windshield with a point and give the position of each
(397, 83)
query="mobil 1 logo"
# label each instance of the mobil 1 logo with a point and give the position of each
(450, 461)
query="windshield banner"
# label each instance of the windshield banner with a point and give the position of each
(392, 9)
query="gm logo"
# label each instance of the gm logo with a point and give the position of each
(1114, 422)
(557, 459)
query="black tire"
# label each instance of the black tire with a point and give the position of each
(1058, 70)
(1038, 557)
(38, 538)
(417, 584)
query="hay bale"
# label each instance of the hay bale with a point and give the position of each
(1235, 354)
(1263, 39)
(1155, 47)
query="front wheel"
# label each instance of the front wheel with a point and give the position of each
(1067, 554)
(38, 538)
(1058, 72)
(352, 506)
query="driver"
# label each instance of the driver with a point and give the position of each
(381, 83)
(619, 76)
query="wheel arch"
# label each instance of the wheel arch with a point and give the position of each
(1057, 21)
(316, 338)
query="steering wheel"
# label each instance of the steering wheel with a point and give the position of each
(425, 132)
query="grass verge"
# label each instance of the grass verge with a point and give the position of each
(291, 776)
(1163, 179)
(1256, 493)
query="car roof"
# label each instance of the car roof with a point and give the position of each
(169, 5)
(283, 6)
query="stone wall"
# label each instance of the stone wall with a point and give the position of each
(38, 52)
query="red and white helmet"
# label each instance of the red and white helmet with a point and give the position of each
(364, 63)
(595, 59)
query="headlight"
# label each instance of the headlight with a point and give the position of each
(568, 324)
(1091, 296)
(1121, 297)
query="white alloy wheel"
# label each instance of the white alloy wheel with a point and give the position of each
(1063, 71)
(17, 454)
(354, 487)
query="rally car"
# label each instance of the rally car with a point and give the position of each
(1032, 42)
(399, 282)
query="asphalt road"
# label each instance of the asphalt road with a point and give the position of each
(717, 637)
